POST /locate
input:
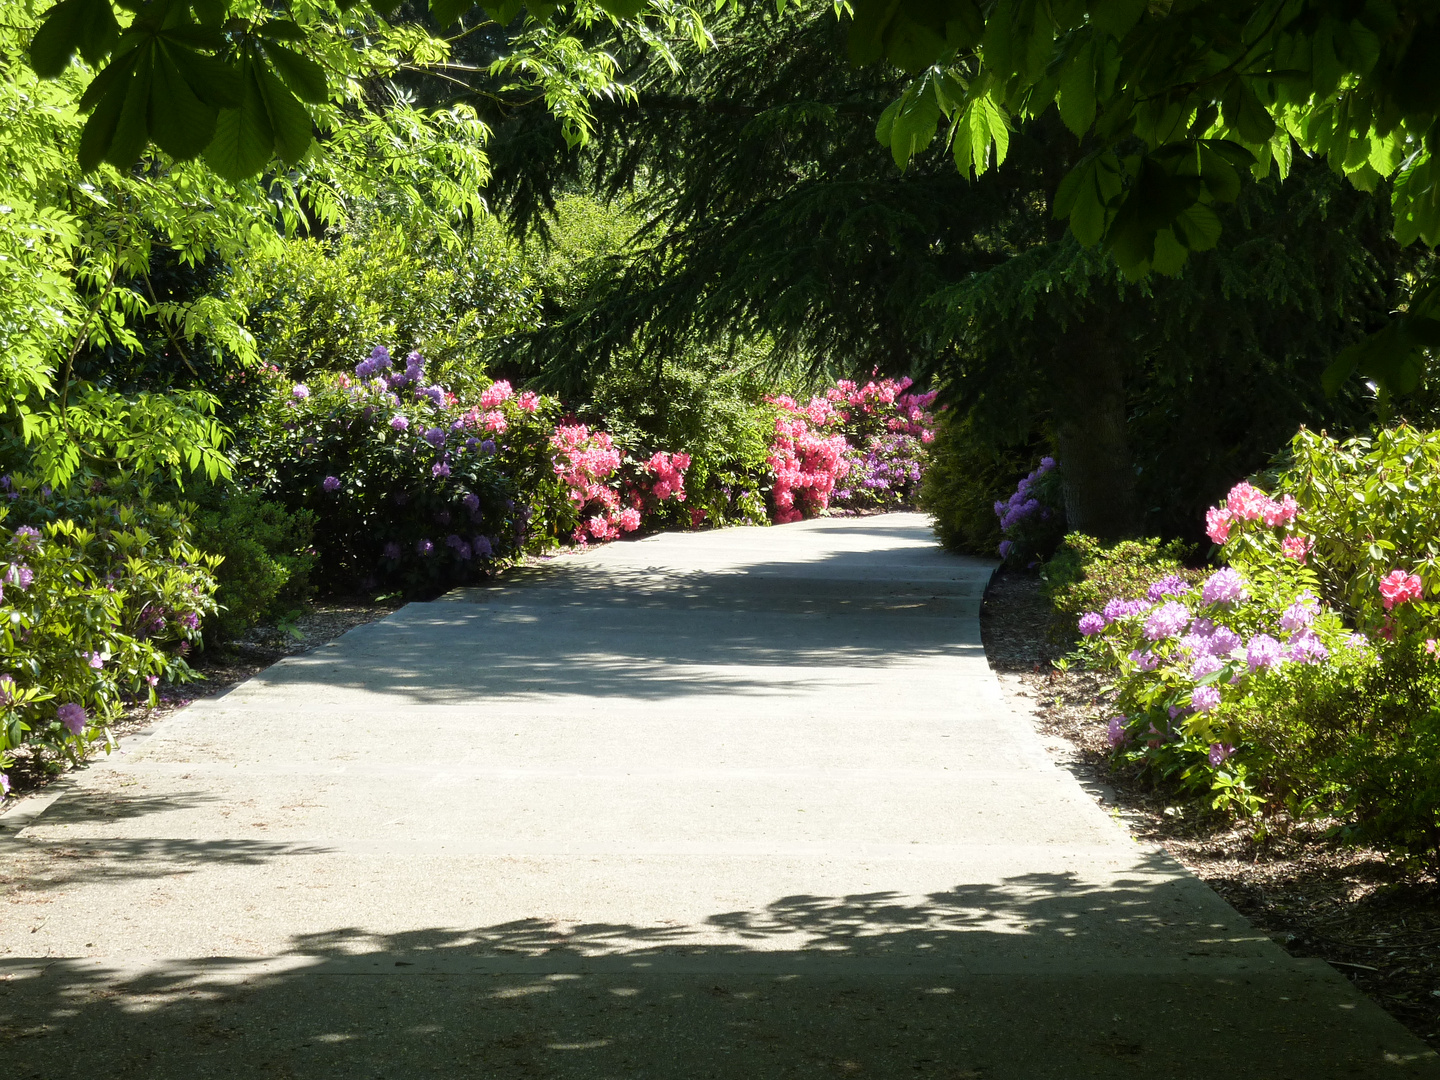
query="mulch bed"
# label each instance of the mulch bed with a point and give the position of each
(1376, 923)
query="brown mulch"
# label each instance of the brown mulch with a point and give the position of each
(1377, 923)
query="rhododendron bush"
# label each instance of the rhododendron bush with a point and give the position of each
(415, 488)
(854, 447)
(1304, 674)
(98, 603)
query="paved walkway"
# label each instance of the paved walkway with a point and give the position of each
(742, 804)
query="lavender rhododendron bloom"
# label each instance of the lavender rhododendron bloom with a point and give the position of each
(1115, 732)
(439, 469)
(1300, 614)
(483, 547)
(1167, 621)
(488, 446)
(331, 483)
(1305, 648)
(73, 716)
(471, 501)
(95, 660)
(424, 547)
(1224, 641)
(1145, 661)
(19, 575)
(399, 422)
(436, 436)
(392, 551)
(300, 392)
(190, 621)
(1205, 698)
(26, 538)
(1123, 609)
(1170, 585)
(1219, 753)
(1006, 546)
(1091, 623)
(1263, 651)
(1223, 587)
(1205, 665)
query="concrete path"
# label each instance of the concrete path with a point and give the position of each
(737, 804)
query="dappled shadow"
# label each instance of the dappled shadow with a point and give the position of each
(101, 806)
(873, 984)
(582, 628)
(34, 867)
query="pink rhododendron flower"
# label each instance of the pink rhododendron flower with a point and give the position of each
(496, 395)
(1295, 547)
(1217, 524)
(1398, 587)
(1246, 502)
(629, 519)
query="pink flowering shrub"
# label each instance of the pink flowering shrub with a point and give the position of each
(1364, 515)
(853, 447)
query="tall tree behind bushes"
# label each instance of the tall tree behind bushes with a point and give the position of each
(770, 210)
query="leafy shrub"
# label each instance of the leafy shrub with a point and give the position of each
(1300, 710)
(1085, 574)
(1366, 508)
(101, 596)
(410, 487)
(266, 552)
(318, 305)
(964, 478)
(710, 407)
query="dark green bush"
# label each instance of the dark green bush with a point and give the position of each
(710, 406)
(966, 477)
(267, 552)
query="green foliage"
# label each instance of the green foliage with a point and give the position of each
(1172, 103)
(322, 306)
(706, 403)
(1369, 505)
(1085, 573)
(267, 557)
(246, 85)
(103, 593)
(1358, 738)
(967, 476)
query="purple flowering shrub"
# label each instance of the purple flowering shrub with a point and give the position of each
(1304, 677)
(1032, 520)
(884, 473)
(1190, 657)
(101, 597)
(408, 488)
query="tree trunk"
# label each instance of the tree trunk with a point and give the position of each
(1096, 472)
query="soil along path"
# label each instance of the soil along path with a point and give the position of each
(740, 804)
